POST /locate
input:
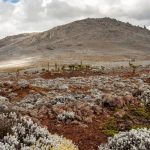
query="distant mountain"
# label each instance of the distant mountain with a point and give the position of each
(84, 39)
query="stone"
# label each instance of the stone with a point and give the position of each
(83, 125)
(120, 114)
(79, 118)
(75, 122)
(88, 119)
(4, 100)
(63, 87)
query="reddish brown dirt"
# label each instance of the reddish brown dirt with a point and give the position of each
(87, 138)
(21, 94)
(24, 92)
(148, 80)
(126, 74)
(84, 90)
(49, 75)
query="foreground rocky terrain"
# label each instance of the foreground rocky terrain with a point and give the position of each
(85, 106)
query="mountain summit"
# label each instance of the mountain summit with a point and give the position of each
(83, 39)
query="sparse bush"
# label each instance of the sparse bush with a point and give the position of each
(133, 66)
(66, 116)
(87, 67)
(48, 66)
(110, 132)
(133, 140)
(102, 68)
(23, 83)
(63, 68)
(17, 74)
(140, 126)
(110, 127)
(43, 69)
(24, 134)
(72, 67)
(145, 96)
(140, 112)
(25, 72)
(56, 67)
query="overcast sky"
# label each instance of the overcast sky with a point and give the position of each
(19, 16)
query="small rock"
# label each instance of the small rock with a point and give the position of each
(120, 114)
(4, 100)
(88, 120)
(83, 125)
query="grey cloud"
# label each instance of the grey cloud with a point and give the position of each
(5, 11)
(55, 13)
(31, 15)
(62, 10)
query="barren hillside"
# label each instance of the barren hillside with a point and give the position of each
(102, 39)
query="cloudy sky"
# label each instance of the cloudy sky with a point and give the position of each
(19, 16)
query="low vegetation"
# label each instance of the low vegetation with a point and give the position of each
(88, 105)
(134, 139)
(24, 134)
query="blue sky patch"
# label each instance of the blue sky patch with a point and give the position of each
(11, 1)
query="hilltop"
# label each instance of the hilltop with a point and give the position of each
(91, 40)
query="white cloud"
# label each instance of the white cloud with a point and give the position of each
(39, 15)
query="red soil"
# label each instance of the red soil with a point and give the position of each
(87, 138)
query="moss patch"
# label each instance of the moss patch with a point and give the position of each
(110, 127)
(140, 126)
(140, 112)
